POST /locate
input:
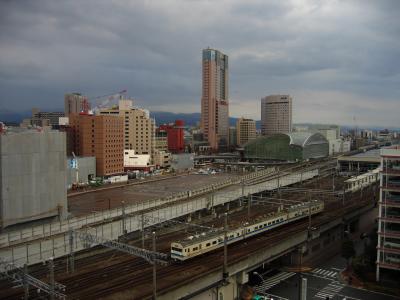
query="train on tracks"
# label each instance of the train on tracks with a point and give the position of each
(199, 244)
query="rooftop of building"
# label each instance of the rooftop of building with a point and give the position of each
(296, 138)
(18, 130)
(373, 155)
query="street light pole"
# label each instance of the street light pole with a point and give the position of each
(154, 269)
(225, 266)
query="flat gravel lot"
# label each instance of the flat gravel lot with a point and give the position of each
(111, 198)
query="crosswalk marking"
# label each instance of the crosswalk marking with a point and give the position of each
(325, 273)
(272, 281)
(330, 290)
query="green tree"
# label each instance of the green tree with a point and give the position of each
(348, 250)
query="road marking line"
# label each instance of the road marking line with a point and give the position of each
(336, 269)
(325, 273)
(331, 274)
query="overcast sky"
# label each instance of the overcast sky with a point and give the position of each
(339, 59)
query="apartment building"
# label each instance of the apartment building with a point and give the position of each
(75, 103)
(99, 136)
(138, 127)
(175, 136)
(214, 100)
(276, 114)
(388, 249)
(245, 130)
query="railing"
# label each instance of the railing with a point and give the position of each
(49, 229)
(58, 245)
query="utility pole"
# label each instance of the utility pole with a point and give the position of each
(142, 224)
(303, 289)
(25, 282)
(71, 251)
(309, 213)
(52, 282)
(154, 269)
(124, 231)
(250, 198)
(225, 267)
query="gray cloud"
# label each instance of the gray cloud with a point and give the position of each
(315, 50)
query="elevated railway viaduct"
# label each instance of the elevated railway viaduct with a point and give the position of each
(109, 274)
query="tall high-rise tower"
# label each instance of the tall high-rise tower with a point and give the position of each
(214, 100)
(276, 114)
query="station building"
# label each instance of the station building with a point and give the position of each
(294, 146)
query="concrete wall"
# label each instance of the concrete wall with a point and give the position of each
(33, 175)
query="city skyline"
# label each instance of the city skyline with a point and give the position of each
(337, 58)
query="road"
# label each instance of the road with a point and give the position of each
(323, 280)
(322, 283)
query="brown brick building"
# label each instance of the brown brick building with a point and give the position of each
(102, 137)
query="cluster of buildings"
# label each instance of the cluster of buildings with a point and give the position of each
(276, 122)
(108, 143)
(53, 152)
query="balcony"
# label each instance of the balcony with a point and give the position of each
(390, 234)
(390, 219)
(388, 265)
(391, 186)
(390, 202)
(391, 171)
(392, 250)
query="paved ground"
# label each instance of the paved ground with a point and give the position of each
(323, 280)
(105, 199)
(323, 283)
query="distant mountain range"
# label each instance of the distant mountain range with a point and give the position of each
(8, 116)
(190, 119)
(162, 117)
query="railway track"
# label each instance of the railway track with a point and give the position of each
(109, 272)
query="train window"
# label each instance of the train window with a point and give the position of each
(255, 227)
(214, 242)
(176, 249)
(208, 244)
(237, 234)
(248, 230)
(265, 224)
(195, 248)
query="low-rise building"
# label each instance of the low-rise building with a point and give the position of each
(81, 170)
(162, 159)
(134, 161)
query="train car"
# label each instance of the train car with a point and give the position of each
(206, 242)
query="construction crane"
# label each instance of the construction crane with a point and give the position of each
(107, 99)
